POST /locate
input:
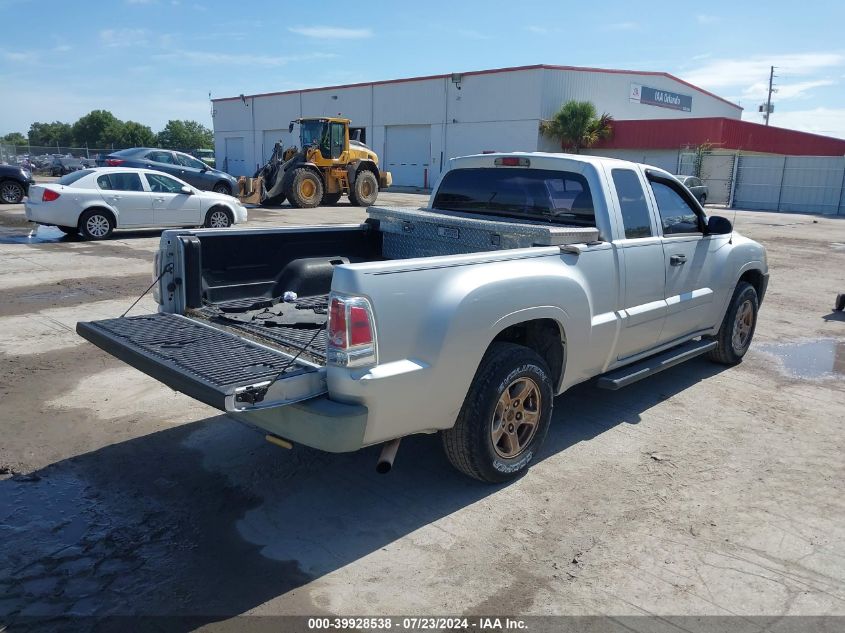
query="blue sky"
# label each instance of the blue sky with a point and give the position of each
(154, 60)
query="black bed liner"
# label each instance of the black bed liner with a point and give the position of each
(197, 359)
(290, 337)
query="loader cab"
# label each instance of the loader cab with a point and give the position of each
(330, 136)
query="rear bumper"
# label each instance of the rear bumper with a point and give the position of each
(320, 423)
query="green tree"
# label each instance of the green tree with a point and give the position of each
(576, 126)
(98, 128)
(133, 134)
(185, 135)
(14, 138)
(51, 134)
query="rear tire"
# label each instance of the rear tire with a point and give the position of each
(737, 329)
(330, 199)
(305, 189)
(505, 416)
(96, 224)
(11, 192)
(839, 306)
(365, 189)
(703, 199)
(218, 218)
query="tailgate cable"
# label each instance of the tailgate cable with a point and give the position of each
(253, 395)
(167, 269)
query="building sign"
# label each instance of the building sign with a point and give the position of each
(661, 98)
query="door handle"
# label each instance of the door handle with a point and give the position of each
(115, 197)
(678, 260)
(158, 199)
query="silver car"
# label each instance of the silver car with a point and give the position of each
(696, 186)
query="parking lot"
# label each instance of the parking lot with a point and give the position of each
(702, 491)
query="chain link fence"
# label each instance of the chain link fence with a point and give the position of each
(39, 159)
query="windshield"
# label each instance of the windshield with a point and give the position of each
(312, 132)
(555, 196)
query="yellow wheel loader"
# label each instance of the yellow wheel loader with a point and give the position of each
(328, 165)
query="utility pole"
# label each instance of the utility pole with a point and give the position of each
(769, 99)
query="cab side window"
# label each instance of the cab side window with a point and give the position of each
(337, 140)
(636, 217)
(676, 215)
(120, 182)
(161, 157)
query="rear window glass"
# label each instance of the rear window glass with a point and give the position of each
(538, 194)
(73, 176)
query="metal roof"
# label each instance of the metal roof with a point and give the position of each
(721, 133)
(651, 73)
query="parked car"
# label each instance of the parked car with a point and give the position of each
(696, 186)
(14, 183)
(63, 166)
(94, 202)
(206, 156)
(527, 274)
(187, 168)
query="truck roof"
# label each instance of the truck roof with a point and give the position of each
(543, 160)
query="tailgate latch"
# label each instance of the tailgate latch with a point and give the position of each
(252, 394)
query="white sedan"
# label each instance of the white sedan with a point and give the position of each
(94, 202)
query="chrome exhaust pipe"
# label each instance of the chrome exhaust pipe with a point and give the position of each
(388, 454)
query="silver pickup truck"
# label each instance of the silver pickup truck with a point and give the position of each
(526, 274)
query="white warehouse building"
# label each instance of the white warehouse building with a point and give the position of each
(417, 124)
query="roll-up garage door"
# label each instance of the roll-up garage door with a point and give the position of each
(407, 149)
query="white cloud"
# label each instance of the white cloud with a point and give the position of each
(621, 26)
(472, 34)
(703, 18)
(19, 57)
(331, 32)
(116, 38)
(783, 91)
(826, 121)
(235, 59)
(745, 72)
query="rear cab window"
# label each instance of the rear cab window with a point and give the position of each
(560, 197)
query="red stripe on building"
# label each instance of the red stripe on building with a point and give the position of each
(721, 133)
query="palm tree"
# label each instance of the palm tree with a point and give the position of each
(576, 125)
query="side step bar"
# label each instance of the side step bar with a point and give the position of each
(630, 374)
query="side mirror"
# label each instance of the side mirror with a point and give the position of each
(204, 169)
(187, 190)
(717, 225)
(290, 128)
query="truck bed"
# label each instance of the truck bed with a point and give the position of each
(235, 281)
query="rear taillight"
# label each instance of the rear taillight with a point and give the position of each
(49, 195)
(114, 162)
(351, 334)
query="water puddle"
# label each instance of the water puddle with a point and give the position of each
(40, 235)
(810, 360)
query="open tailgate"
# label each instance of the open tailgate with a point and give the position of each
(213, 366)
